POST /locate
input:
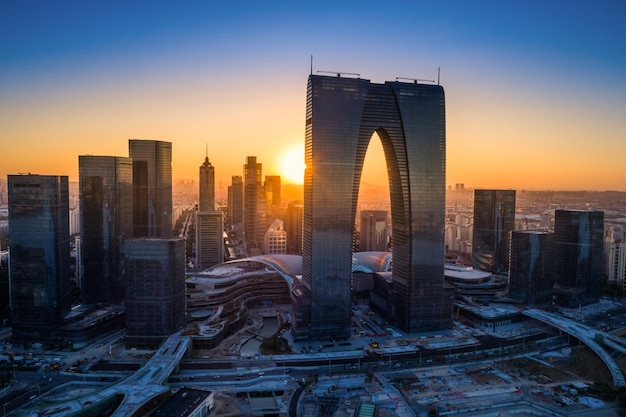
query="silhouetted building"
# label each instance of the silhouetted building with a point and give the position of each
(152, 187)
(155, 290)
(494, 220)
(272, 191)
(209, 238)
(254, 205)
(341, 116)
(235, 202)
(105, 198)
(39, 256)
(374, 231)
(293, 227)
(578, 256)
(531, 272)
(207, 186)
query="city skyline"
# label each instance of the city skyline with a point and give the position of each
(535, 93)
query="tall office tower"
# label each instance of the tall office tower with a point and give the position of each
(254, 206)
(207, 186)
(105, 198)
(531, 272)
(342, 115)
(494, 220)
(578, 256)
(293, 227)
(272, 191)
(235, 202)
(39, 257)
(155, 290)
(275, 239)
(374, 232)
(152, 187)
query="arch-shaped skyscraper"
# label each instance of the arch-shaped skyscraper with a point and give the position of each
(341, 116)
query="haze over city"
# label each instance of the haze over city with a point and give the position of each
(535, 91)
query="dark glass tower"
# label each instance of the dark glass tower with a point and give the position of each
(152, 187)
(39, 263)
(531, 273)
(342, 115)
(494, 220)
(254, 205)
(106, 191)
(578, 256)
(235, 202)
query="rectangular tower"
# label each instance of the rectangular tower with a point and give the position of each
(578, 256)
(105, 199)
(494, 220)
(155, 290)
(152, 187)
(254, 205)
(39, 263)
(374, 231)
(531, 272)
(235, 202)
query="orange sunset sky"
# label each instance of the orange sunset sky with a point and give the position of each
(535, 91)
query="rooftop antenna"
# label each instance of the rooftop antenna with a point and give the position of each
(339, 73)
(311, 64)
(415, 80)
(438, 74)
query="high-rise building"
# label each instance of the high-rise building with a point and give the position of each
(254, 205)
(209, 238)
(531, 272)
(207, 186)
(494, 220)
(342, 115)
(39, 257)
(272, 191)
(293, 227)
(152, 187)
(155, 290)
(374, 231)
(578, 256)
(235, 202)
(105, 198)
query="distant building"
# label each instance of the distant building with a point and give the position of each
(152, 187)
(235, 203)
(494, 220)
(207, 187)
(105, 198)
(275, 240)
(254, 205)
(155, 290)
(272, 191)
(39, 257)
(374, 231)
(209, 238)
(531, 272)
(578, 256)
(293, 227)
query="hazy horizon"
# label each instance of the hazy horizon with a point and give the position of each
(535, 92)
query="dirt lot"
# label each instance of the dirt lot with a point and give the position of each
(582, 364)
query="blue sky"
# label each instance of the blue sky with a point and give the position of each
(530, 86)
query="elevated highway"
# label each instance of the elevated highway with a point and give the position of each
(587, 335)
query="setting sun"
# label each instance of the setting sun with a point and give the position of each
(291, 164)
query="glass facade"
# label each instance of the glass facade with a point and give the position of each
(494, 220)
(578, 256)
(342, 115)
(39, 265)
(254, 205)
(105, 187)
(152, 187)
(531, 276)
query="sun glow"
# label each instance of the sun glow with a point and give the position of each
(291, 164)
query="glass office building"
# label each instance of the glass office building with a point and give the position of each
(106, 210)
(531, 276)
(152, 187)
(578, 256)
(342, 114)
(39, 263)
(494, 220)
